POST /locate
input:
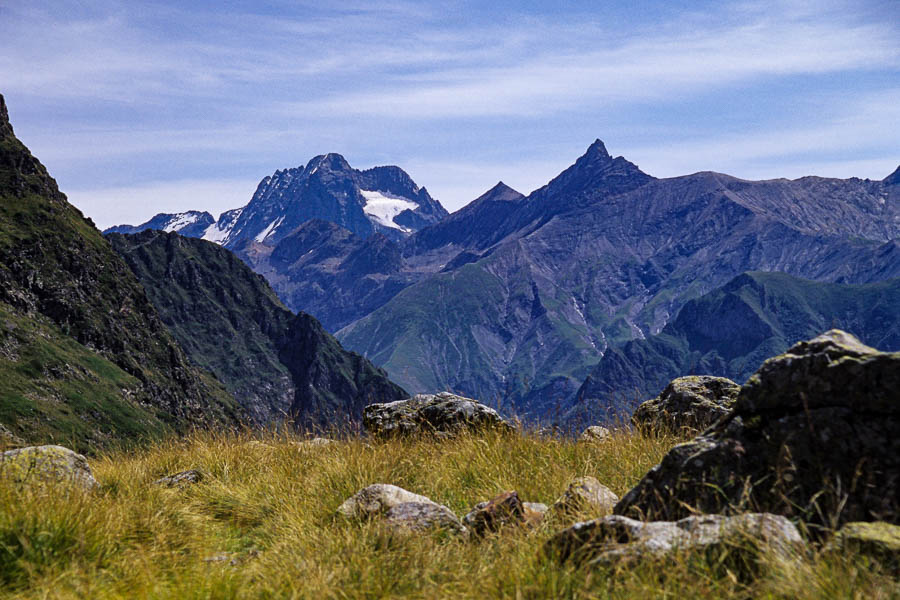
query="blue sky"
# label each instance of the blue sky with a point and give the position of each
(144, 107)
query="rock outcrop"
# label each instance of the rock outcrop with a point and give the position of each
(585, 496)
(594, 433)
(615, 538)
(183, 478)
(878, 541)
(377, 499)
(47, 463)
(687, 405)
(502, 510)
(422, 516)
(813, 436)
(437, 414)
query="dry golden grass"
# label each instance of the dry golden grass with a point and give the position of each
(271, 507)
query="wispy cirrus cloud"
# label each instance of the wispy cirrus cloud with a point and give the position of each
(117, 95)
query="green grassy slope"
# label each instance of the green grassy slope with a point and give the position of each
(55, 265)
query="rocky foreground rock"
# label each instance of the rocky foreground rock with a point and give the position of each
(813, 436)
(47, 463)
(687, 405)
(616, 538)
(438, 414)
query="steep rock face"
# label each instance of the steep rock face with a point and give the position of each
(730, 331)
(813, 436)
(329, 272)
(605, 254)
(58, 274)
(278, 365)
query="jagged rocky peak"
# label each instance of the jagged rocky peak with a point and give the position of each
(329, 162)
(597, 170)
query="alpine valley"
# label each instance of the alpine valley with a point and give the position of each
(177, 333)
(581, 299)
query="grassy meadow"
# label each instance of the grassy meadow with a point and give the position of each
(262, 525)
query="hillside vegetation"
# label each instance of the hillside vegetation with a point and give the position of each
(262, 524)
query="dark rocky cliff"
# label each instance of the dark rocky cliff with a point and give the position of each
(278, 365)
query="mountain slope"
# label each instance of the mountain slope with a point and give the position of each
(604, 254)
(278, 365)
(730, 331)
(60, 277)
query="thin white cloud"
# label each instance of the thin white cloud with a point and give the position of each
(638, 71)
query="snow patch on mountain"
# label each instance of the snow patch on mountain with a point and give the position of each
(214, 234)
(181, 220)
(269, 230)
(383, 207)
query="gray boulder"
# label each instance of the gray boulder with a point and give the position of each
(813, 436)
(47, 463)
(377, 499)
(316, 442)
(594, 433)
(437, 414)
(877, 541)
(614, 538)
(585, 496)
(422, 516)
(180, 479)
(687, 405)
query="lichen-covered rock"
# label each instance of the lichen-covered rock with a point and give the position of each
(377, 499)
(814, 435)
(422, 516)
(180, 479)
(687, 405)
(504, 509)
(585, 496)
(316, 442)
(437, 414)
(594, 433)
(878, 541)
(47, 463)
(615, 538)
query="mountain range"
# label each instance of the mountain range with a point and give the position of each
(516, 299)
(730, 331)
(176, 333)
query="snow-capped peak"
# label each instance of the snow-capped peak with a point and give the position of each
(181, 220)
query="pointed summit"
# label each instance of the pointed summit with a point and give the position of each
(598, 148)
(892, 179)
(6, 130)
(328, 162)
(597, 171)
(499, 193)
